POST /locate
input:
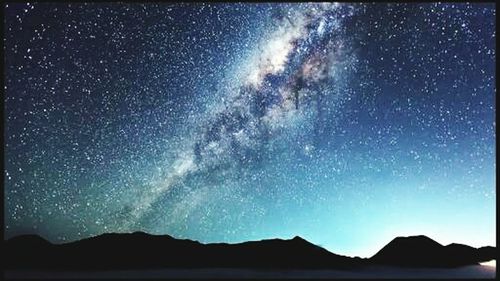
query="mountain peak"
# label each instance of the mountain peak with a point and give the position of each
(422, 251)
(421, 240)
(298, 238)
(302, 241)
(417, 237)
(28, 239)
(27, 236)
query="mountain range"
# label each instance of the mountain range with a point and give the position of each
(140, 250)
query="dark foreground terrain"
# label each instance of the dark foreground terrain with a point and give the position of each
(466, 272)
(141, 255)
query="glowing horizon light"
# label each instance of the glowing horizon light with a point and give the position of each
(492, 263)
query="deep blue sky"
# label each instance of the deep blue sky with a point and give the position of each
(345, 124)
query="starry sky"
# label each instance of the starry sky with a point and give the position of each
(346, 124)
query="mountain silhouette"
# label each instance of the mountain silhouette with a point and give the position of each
(422, 251)
(140, 250)
(486, 253)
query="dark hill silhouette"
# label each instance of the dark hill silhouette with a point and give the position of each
(140, 250)
(421, 251)
(486, 253)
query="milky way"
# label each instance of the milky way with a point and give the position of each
(347, 124)
(279, 95)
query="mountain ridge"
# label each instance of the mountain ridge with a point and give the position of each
(144, 250)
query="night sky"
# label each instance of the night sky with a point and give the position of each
(346, 124)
